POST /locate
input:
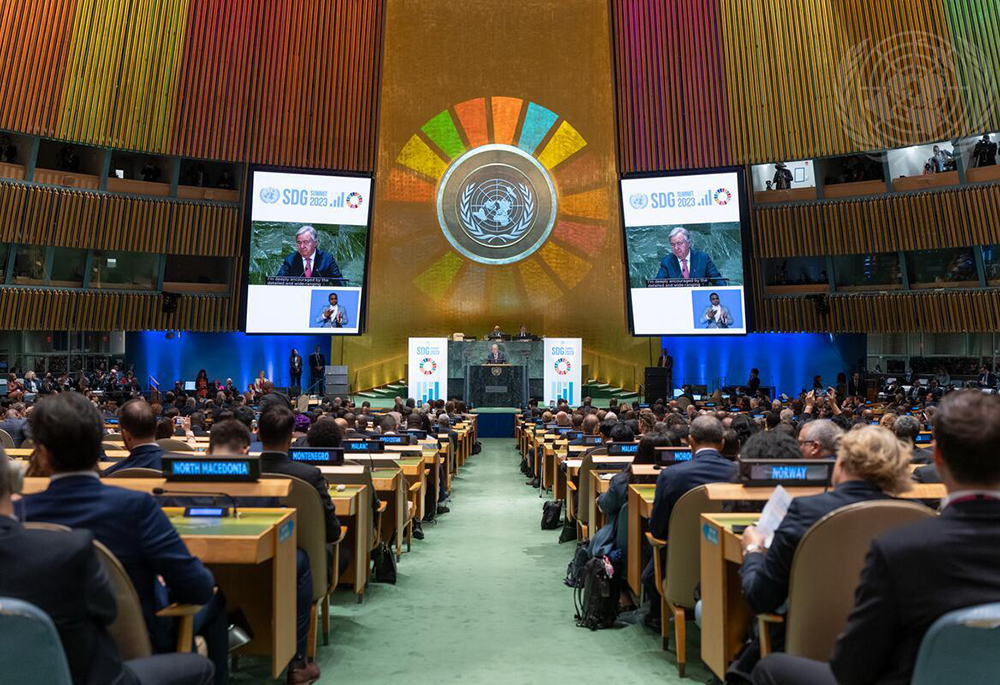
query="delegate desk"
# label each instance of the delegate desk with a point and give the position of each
(252, 557)
(253, 560)
(640, 506)
(353, 505)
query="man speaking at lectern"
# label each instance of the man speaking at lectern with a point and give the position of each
(683, 262)
(496, 356)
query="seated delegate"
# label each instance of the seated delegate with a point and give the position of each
(915, 574)
(871, 464)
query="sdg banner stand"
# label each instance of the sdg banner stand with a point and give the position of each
(563, 370)
(428, 369)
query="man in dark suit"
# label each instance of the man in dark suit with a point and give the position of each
(684, 262)
(706, 466)
(915, 574)
(16, 426)
(60, 573)
(67, 431)
(856, 386)
(987, 379)
(665, 360)
(907, 428)
(307, 261)
(138, 426)
(753, 383)
(295, 370)
(496, 356)
(317, 372)
(275, 429)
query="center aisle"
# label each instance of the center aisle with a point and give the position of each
(481, 600)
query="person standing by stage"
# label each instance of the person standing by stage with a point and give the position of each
(295, 371)
(317, 372)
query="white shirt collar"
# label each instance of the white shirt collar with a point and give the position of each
(965, 494)
(73, 474)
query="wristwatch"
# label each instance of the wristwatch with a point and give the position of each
(751, 549)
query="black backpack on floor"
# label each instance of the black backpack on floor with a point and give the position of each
(597, 601)
(574, 571)
(551, 513)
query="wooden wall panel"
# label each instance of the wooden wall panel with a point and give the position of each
(672, 100)
(47, 309)
(708, 82)
(938, 312)
(920, 221)
(281, 82)
(71, 218)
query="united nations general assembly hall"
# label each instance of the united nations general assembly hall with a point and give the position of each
(503, 342)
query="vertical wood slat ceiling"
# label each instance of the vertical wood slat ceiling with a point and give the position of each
(269, 81)
(704, 83)
(42, 215)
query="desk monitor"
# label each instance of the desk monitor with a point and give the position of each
(356, 446)
(923, 438)
(697, 398)
(587, 440)
(873, 423)
(622, 449)
(393, 439)
(189, 386)
(787, 472)
(735, 409)
(111, 422)
(179, 467)
(317, 456)
(710, 404)
(668, 456)
(564, 430)
(573, 435)
(419, 434)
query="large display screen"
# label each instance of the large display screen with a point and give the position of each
(684, 242)
(308, 253)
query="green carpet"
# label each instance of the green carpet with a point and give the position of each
(481, 600)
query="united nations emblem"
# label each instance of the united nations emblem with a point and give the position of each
(269, 195)
(496, 204)
(496, 371)
(638, 200)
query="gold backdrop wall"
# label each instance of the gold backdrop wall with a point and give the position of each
(536, 75)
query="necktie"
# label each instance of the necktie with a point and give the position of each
(309, 271)
(684, 268)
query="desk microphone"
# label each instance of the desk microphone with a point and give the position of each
(236, 513)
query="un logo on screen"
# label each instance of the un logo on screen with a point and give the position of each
(638, 200)
(496, 212)
(269, 195)
(496, 204)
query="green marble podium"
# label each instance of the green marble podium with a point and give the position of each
(496, 385)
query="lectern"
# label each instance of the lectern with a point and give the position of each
(496, 385)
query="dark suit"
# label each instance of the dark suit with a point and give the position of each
(927, 474)
(856, 389)
(60, 574)
(921, 455)
(700, 265)
(132, 525)
(498, 358)
(765, 576)
(144, 456)
(17, 429)
(912, 576)
(317, 373)
(295, 369)
(323, 266)
(708, 466)
(987, 380)
(278, 462)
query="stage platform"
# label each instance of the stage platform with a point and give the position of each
(496, 422)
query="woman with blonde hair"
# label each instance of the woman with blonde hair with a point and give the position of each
(872, 464)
